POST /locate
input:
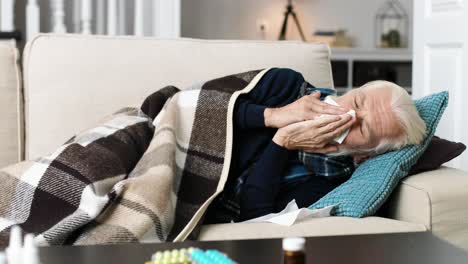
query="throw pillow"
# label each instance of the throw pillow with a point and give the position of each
(374, 180)
(437, 153)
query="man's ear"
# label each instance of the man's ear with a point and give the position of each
(360, 158)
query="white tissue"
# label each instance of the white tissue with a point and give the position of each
(292, 214)
(339, 139)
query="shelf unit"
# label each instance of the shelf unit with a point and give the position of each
(353, 56)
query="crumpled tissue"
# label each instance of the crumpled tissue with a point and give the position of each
(339, 139)
(292, 214)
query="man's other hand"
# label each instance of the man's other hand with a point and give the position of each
(305, 108)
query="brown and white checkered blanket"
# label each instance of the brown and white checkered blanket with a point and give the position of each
(142, 175)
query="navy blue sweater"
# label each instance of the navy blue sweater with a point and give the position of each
(265, 162)
(277, 88)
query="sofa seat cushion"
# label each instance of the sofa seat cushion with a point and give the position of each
(329, 226)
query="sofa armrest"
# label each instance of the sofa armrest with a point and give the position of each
(10, 104)
(438, 199)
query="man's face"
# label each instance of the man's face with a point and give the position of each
(374, 118)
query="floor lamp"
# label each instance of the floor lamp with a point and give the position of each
(290, 12)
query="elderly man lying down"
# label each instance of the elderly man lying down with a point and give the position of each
(287, 141)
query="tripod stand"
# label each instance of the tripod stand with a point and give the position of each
(290, 11)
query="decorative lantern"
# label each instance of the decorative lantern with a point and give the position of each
(391, 26)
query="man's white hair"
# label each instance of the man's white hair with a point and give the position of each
(414, 128)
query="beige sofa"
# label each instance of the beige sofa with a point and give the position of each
(71, 81)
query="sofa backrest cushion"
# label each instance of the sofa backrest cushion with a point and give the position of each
(71, 81)
(10, 101)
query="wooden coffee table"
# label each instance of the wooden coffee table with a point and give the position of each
(383, 248)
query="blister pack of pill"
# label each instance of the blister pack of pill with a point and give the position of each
(190, 256)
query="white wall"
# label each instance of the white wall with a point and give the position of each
(237, 19)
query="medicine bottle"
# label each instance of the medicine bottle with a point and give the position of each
(294, 250)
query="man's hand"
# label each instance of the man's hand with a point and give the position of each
(313, 135)
(305, 108)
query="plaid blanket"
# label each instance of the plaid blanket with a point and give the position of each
(141, 175)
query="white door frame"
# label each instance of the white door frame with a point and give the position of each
(440, 62)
